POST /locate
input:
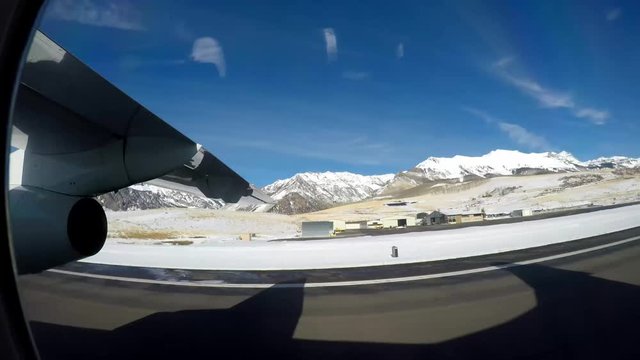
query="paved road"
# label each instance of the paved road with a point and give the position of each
(581, 306)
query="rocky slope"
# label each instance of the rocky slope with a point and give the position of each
(500, 163)
(311, 191)
(143, 196)
(307, 192)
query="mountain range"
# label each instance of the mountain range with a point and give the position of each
(145, 196)
(312, 191)
(306, 192)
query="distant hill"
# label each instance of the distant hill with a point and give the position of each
(313, 191)
(306, 192)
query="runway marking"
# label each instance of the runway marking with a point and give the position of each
(216, 284)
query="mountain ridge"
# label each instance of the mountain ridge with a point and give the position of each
(313, 191)
(316, 190)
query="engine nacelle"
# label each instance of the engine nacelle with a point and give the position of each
(51, 229)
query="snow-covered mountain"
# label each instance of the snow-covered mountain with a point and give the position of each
(500, 163)
(613, 162)
(311, 191)
(497, 162)
(314, 191)
(145, 196)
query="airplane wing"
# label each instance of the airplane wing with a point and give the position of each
(76, 136)
(205, 175)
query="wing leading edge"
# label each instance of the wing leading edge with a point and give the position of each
(77, 134)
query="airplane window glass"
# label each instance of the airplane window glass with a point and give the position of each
(335, 179)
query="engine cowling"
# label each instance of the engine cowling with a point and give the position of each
(51, 229)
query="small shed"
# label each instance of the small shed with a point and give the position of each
(312, 229)
(521, 212)
(435, 218)
(471, 217)
(356, 225)
(339, 225)
(465, 218)
(247, 236)
(398, 222)
(374, 224)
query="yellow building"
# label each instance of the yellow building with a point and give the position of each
(465, 218)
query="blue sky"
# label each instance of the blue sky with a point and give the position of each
(279, 87)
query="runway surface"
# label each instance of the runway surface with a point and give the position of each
(579, 299)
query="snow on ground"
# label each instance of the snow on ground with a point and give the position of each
(495, 195)
(212, 236)
(370, 250)
(196, 226)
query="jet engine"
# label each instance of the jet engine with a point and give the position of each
(51, 229)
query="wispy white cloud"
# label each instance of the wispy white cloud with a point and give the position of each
(597, 117)
(515, 132)
(503, 61)
(548, 98)
(400, 51)
(331, 43)
(545, 97)
(113, 14)
(208, 50)
(613, 14)
(355, 75)
(523, 136)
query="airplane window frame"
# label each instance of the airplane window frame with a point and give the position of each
(17, 19)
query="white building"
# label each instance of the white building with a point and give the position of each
(311, 229)
(339, 225)
(398, 221)
(356, 225)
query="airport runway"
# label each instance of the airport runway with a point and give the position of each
(574, 300)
